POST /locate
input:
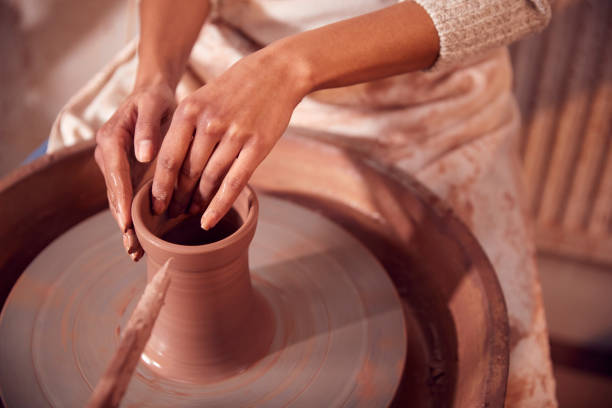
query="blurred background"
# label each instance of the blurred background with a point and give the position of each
(563, 81)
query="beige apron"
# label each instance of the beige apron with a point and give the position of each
(455, 131)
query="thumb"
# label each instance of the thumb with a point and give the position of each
(147, 134)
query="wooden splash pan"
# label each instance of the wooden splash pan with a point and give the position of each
(457, 326)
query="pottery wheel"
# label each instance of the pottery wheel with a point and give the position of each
(340, 337)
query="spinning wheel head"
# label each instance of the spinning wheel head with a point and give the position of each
(338, 329)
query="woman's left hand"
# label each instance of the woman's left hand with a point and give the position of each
(220, 134)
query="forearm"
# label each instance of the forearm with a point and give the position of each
(394, 40)
(168, 30)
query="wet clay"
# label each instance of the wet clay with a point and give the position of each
(213, 324)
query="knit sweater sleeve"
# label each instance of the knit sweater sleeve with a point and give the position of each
(470, 27)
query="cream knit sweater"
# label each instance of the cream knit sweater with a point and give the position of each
(470, 27)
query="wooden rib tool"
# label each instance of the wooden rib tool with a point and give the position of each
(112, 386)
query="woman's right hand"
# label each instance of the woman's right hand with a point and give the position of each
(126, 144)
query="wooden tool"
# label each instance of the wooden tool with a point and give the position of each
(112, 386)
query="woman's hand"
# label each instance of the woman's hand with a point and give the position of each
(221, 132)
(126, 144)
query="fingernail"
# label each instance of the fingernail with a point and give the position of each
(144, 151)
(207, 220)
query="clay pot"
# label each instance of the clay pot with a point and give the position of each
(213, 324)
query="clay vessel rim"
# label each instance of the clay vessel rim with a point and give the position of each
(247, 225)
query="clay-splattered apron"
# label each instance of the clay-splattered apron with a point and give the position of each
(454, 131)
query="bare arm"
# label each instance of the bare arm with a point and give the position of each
(391, 41)
(132, 136)
(238, 117)
(168, 30)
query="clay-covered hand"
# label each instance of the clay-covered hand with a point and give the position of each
(219, 135)
(126, 144)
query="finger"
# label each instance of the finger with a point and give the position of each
(131, 245)
(100, 162)
(119, 185)
(170, 160)
(236, 178)
(137, 255)
(116, 169)
(214, 171)
(130, 241)
(147, 134)
(99, 159)
(206, 138)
